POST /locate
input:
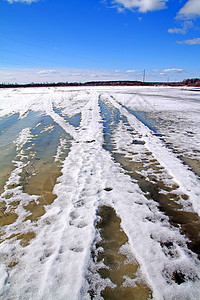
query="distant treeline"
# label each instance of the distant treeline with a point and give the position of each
(90, 83)
(188, 82)
(192, 82)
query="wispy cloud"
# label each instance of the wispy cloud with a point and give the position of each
(132, 71)
(169, 71)
(47, 72)
(177, 30)
(173, 70)
(83, 75)
(190, 10)
(185, 26)
(22, 1)
(66, 74)
(195, 41)
(186, 16)
(141, 5)
(174, 74)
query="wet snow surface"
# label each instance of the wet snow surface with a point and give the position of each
(100, 193)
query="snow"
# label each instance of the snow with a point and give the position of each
(187, 181)
(59, 256)
(61, 147)
(24, 136)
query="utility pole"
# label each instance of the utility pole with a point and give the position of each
(144, 76)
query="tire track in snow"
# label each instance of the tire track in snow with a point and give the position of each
(48, 107)
(188, 182)
(159, 248)
(171, 201)
(61, 248)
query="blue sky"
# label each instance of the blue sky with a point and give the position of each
(61, 40)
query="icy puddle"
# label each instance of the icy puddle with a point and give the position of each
(149, 175)
(44, 167)
(37, 155)
(194, 164)
(144, 118)
(111, 118)
(74, 120)
(10, 128)
(118, 265)
(166, 196)
(7, 148)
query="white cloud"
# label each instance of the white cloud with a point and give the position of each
(167, 71)
(190, 10)
(176, 30)
(185, 26)
(64, 74)
(83, 75)
(22, 1)
(195, 41)
(76, 74)
(120, 9)
(173, 70)
(142, 5)
(47, 72)
(132, 71)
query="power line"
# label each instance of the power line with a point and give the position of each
(24, 56)
(39, 47)
(23, 42)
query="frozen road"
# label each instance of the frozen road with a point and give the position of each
(100, 193)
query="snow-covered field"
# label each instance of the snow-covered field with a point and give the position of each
(72, 158)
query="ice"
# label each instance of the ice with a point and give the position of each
(187, 181)
(54, 261)
(3, 278)
(62, 146)
(24, 136)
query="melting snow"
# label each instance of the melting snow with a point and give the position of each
(55, 263)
